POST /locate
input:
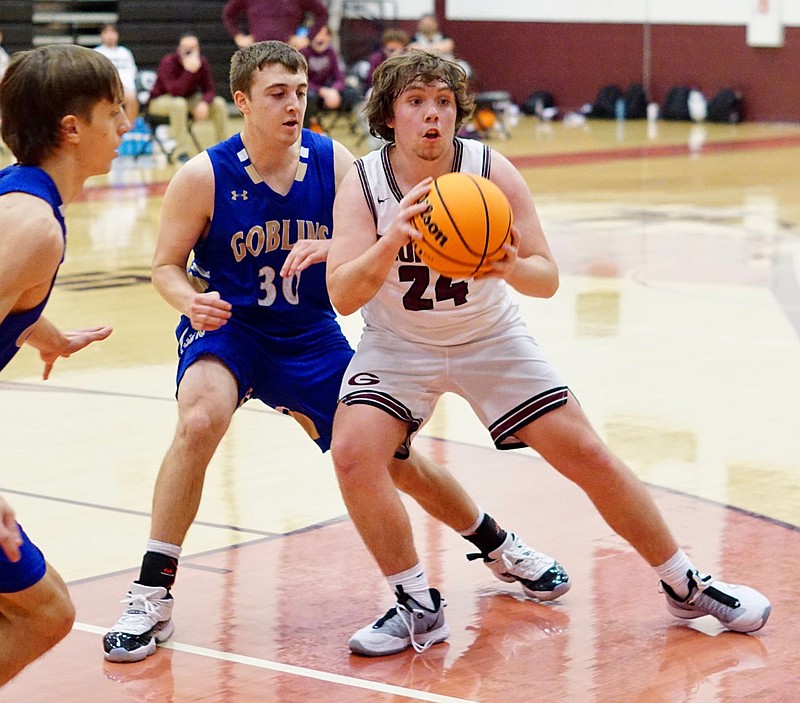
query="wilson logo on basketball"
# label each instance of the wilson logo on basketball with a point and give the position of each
(464, 227)
(439, 237)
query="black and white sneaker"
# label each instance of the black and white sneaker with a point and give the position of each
(147, 621)
(738, 608)
(541, 576)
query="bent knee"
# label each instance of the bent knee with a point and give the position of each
(53, 619)
(60, 620)
(355, 458)
(346, 453)
(201, 422)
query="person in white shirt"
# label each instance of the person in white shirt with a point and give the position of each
(429, 38)
(123, 59)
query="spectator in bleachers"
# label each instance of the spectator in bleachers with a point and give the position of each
(250, 21)
(429, 38)
(393, 42)
(123, 60)
(184, 85)
(327, 89)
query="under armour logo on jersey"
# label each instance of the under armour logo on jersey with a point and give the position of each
(237, 196)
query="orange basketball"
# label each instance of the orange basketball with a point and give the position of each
(465, 226)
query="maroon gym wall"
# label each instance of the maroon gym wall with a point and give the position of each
(573, 61)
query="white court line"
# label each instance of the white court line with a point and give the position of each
(294, 670)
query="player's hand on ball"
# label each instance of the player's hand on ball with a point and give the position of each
(463, 228)
(208, 311)
(502, 268)
(401, 228)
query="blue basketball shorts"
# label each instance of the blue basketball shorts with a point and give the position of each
(298, 375)
(29, 570)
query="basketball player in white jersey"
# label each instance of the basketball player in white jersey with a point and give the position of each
(425, 334)
(263, 338)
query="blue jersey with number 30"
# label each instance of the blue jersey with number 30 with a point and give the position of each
(252, 231)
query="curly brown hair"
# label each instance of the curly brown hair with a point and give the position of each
(395, 74)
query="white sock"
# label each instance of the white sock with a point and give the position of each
(170, 550)
(673, 573)
(415, 583)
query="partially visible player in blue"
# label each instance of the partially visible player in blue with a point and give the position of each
(256, 211)
(76, 98)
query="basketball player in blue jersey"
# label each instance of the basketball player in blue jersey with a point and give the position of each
(76, 98)
(425, 334)
(256, 213)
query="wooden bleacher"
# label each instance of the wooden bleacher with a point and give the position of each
(149, 28)
(153, 28)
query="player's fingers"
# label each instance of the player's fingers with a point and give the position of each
(219, 304)
(97, 334)
(213, 299)
(207, 325)
(10, 537)
(418, 192)
(413, 232)
(217, 314)
(10, 548)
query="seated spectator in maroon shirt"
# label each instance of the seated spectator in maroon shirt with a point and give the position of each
(327, 89)
(184, 85)
(249, 21)
(393, 42)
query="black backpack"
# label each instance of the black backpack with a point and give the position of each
(604, 106)
(725, 106)
(537, 101)
(676, 104)
(635, 102)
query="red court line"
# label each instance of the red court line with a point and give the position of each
(122, 190)
(644, 152)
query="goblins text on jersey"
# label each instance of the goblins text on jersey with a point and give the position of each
(273, 235)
